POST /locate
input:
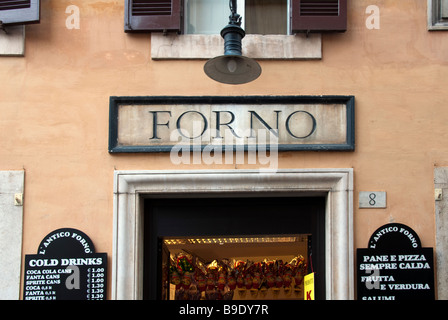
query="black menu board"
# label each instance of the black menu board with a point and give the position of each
(65, 267)
(395, 266)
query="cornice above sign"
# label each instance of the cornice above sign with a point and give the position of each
(287, 123)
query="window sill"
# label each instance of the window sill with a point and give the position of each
(435, 20)
(272, 47)
(438, 26)
(12, 43)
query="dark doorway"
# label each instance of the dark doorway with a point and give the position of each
(232, 216)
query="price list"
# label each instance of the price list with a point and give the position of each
(96, 283)
(80, 278)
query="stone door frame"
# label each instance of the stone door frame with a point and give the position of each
(131, 187)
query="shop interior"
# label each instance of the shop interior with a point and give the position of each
(261, 267)
(238, 248)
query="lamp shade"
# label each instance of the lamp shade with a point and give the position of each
(232, 67)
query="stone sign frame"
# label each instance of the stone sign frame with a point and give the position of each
(257, 101)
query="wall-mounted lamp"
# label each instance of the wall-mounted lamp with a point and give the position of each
(233, 67)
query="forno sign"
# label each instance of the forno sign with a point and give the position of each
(157, 124)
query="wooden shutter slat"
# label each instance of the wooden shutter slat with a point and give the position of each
(151, 8)
(153, 15)
(318, 15)
(14, 4)
(19, 11)
(321, 9)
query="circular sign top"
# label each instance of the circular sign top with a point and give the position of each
(66, 242)
(394, 236)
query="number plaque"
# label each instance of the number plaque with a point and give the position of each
(372, 199)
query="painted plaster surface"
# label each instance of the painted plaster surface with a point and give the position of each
(55, 112)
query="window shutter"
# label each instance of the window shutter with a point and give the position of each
(152, 15)
(318, 15)
(19, 11)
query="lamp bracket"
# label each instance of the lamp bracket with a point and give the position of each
(234, 18)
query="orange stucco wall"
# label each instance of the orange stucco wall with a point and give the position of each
(55, 112)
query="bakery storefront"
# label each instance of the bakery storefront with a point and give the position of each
(233, 234)
(236, 235)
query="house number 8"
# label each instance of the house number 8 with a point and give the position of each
(372, 198)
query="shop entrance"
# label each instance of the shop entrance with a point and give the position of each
(135, 190)
(264, 235)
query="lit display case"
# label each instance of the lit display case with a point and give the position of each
(254, 267)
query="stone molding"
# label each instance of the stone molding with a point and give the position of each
(441, 218)
(12, 42)
(269, 47)
(11, 233)
(130, 187)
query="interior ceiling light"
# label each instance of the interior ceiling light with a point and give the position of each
(236, 240)
(233, 67)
